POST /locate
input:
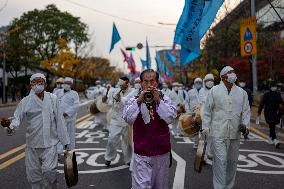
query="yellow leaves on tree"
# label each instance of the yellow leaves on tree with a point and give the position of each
(64, 63)
(96, 68)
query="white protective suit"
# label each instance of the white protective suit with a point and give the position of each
(202, 97)
(118, 129)
(99, 92)
(194, 102)
(45, 128)
(223, 113)
(69, 103)
(173, 95)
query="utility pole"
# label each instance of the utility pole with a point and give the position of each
(4, 78)
(254, 57)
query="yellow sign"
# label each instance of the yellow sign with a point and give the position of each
(248, 36)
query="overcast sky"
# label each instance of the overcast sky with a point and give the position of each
(100, 26)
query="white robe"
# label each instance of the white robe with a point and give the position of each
(45, 128)
(69, 104)
(223, 113)
(118, 128)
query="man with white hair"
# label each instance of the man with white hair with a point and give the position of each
(45, 128)
(194, 102)
(226, 112)
(208, 84)
(69, 105)
(118, 128)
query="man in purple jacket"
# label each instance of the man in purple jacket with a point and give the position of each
(151, 135)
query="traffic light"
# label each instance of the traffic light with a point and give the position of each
(130, 48)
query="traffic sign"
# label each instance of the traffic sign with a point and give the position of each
(248, 36)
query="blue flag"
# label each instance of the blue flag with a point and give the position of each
(144, 64)
(148, 57)
(158, 63)
(200, 15)
(115, 37)
(171, 58)
(182, 23)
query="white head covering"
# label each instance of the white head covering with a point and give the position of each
(68, 79)
(175, 84)
(60, 80)
(98, 82)
(37, 75)
(137, 79)
(120, 82)
(198, 79)
(209, 76)
(225, 70)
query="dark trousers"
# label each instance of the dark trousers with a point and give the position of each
(272, 133)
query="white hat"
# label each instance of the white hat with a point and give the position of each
(68, 79)
(198, 79)
(225, 70)
(98, 82)
(38, 75)
(209, 76)
(60, 80)
(175, 84)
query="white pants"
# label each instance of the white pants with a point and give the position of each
(71, 129)
(225, 159)
(118, 135)
(176, 129)
(208, 152)
(100, 119)
(151, 172)
(41, 164)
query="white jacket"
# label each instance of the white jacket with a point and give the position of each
(68, 103)
(194, 100)
(45, 125)
(223, 112)
(117, 107)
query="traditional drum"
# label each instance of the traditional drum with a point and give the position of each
(199, 156)
(94, 109)
(70, 168)
(102, 107)
(189, 127)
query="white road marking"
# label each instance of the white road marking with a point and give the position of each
(180, 172)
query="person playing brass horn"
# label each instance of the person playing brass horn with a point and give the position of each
(151, 135)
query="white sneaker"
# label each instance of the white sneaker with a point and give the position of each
(276, 143)
(270, 141)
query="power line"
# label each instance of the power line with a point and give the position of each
(117, 17)
(5, 4)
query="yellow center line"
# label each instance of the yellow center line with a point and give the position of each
(2, 156)
(12, 160)
(20, 156)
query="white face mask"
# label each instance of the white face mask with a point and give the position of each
(198, 86)
(242, 84)
(66, 87)
(137, 86)
(58, 86)
(273, 88)
(38, 88)
(209, 84)
(232, 78)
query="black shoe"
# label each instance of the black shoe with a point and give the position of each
(107, 163)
